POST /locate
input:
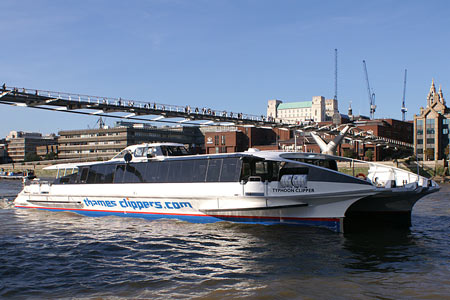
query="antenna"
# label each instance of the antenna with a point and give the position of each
(335, 74)
(404, 109)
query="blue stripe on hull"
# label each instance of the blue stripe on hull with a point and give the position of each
(329, 223)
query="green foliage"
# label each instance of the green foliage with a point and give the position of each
(50, 156)
(369, 154)
(349, 153)
(31, 156)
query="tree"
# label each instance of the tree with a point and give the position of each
(50, 156)
(31, 156)
(349, 153)
(369, 154)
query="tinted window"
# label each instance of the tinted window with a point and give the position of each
(214, 168)
(91, 175)
(140, 171)
(118, 175)
(109, 173)
(83, 175)
(163, 170)
(99, 173)
(199, 173)
(187, 170)
(131, 176)
(175, 172)
(231, 169)
(151, 173)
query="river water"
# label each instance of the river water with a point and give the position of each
(65, 255)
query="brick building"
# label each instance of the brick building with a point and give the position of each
(236, 139)
(386, 128)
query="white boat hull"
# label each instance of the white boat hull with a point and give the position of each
(317, 205)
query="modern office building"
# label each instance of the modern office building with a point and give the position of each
(431, 127)
(103, 143)
(317, 110)
(22, 144)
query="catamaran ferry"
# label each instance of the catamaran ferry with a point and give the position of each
(162, 180)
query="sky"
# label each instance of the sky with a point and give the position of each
(227, 55)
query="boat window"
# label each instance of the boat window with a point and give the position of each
(162, 171)
(118, 175)
(187, 171)
(132, 175)
(140, 152)
(173, 151)
(91, 175)
(109, 173)
(174, 174)
(84, 174)
(151, 152)
(140, 171)
(199, 173)
(73, 177)
(326, 163)
(151, 173)
(68, 178)
(265, 169)
(214, 168)
(174, 171)
(230, 170)
(98, 170)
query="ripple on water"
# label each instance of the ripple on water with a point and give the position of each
(65, 255)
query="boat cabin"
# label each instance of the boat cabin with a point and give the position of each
(143, 152)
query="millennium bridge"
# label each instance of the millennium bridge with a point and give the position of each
(173, 114)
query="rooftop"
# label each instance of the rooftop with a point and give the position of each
(290, 105)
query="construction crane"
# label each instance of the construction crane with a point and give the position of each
(404, 109)
(335, 74)
(371, 93)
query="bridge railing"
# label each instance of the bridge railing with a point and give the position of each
(130, 103)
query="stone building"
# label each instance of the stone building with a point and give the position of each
(431, 127)
(318, 109)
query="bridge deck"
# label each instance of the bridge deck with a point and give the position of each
(165, 113)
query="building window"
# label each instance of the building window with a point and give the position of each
(430, 141)
(216, 140)
(419, 123)
(419, 141)
(223, 140)
(420, 131)
(430, 126)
